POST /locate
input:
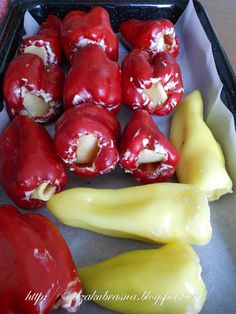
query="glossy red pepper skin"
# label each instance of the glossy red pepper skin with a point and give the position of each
(83, 120)
(34, 259)
(81, 29)
(27, 159)
(27, 73)
(49, 37)
(152, 36)
(93, 77)
(140, 72)
(140, 133)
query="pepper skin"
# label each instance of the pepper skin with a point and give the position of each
(47, 43)
(154, 84)
(202, 161)
(160, 212)
(154, 281)
(152, 36)
(35, 259)
(93, 77)
(30, 89)
(85, 139)
(145, 152)
(30, 171)
(93, 27)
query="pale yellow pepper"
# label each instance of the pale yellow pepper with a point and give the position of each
(202, 161)
(165, 281)
(160, 212)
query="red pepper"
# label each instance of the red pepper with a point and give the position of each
(145, 152)
(154, 84)
(30, 170)
(152, 36)
(93, 27)
(48, 40)
(37, 269)
(93, 77)
(85, 139)
(3, 9)
(32, 90)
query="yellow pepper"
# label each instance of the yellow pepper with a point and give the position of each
(202, 161)
(160, 212)
(165, 280)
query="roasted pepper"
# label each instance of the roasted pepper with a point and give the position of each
(47, 42)
(93, 77)
(152, 36)
(93, 27)
(202, 161)
(154, 84)
(161, 212)
(165, 281)
(30, 89)
(37, 269)
(145, 151)
(30, 170)
(85, 139)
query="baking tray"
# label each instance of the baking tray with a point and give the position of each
(12, 29)
(10, 36)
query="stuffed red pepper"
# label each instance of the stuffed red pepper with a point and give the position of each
(37, 269)
(152, 36)
(93, 77)
(31, 89)
(86, 138)
(154, 84)
(30, 170)
(145, 151)
(93, 27)
(46, 43)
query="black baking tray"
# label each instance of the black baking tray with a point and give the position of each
(11, 30)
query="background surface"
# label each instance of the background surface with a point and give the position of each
(223, 17)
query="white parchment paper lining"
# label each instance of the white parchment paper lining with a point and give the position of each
(218, 258)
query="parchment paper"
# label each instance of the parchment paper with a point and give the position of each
(218, 258)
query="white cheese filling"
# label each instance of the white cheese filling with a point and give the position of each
(43, 192)
(87, 149)
(44, 51)
(156, 94)
(85, 41)
(38, 51)
(35, 105)
(163, 41)
(147, 156)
